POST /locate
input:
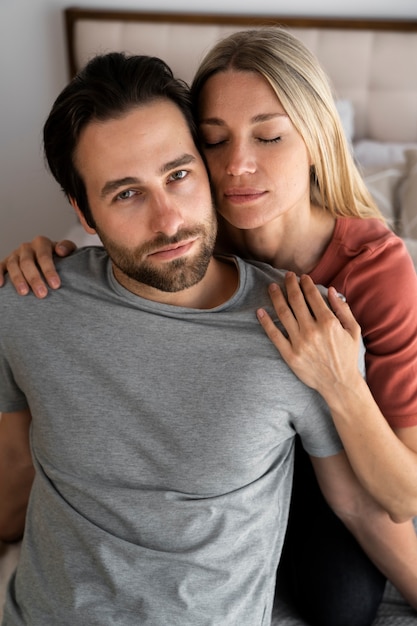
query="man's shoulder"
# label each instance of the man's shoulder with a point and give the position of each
(85, 268)
(84, 257)
(261, 274)
(258, 269)
(86, 265)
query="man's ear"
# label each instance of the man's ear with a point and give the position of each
(87, 228)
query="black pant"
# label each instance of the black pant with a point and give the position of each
(329, 578)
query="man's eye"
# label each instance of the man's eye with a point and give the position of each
(178, 175)
(125, 195)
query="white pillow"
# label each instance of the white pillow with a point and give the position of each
(411, 245)
(368, 152)
(383, 182)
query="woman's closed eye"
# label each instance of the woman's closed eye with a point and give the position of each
(212, 143)
(219, 142)
(273, 140)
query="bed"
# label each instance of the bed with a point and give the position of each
(373, 69)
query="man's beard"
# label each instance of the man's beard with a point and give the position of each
(170, 276)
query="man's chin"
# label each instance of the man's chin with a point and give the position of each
(180, 282)
(176, 276)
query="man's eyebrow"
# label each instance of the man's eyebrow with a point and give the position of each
(113, 185)
(184, 159)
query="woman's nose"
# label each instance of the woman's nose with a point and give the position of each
(240, 161)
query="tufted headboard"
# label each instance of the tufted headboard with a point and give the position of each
(372, 64)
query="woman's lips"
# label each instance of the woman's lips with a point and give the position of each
(242, 196)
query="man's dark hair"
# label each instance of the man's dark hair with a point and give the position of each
(108, 87)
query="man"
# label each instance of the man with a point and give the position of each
(162, 418)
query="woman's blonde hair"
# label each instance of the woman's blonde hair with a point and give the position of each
(304, 91)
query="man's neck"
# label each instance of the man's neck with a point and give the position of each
(218, 285)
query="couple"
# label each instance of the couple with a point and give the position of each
(187, 501)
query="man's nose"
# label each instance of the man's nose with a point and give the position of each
(167, 218)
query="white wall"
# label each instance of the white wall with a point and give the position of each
(33, 71)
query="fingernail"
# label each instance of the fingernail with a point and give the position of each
(63, 249)
(41, 291)
(337, 294)
(54, 282)
(22, 289)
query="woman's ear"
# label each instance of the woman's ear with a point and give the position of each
(87, 228)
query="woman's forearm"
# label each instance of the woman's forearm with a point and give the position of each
(385, 466)
(393, 549)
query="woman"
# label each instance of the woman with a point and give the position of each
(288, 193)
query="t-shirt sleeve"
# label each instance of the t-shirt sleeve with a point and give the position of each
(383, 296)
(11, 397)
(316, 428)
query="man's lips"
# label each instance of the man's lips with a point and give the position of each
(173, 251)
(243, 195)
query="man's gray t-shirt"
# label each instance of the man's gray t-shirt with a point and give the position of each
(162, 439)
